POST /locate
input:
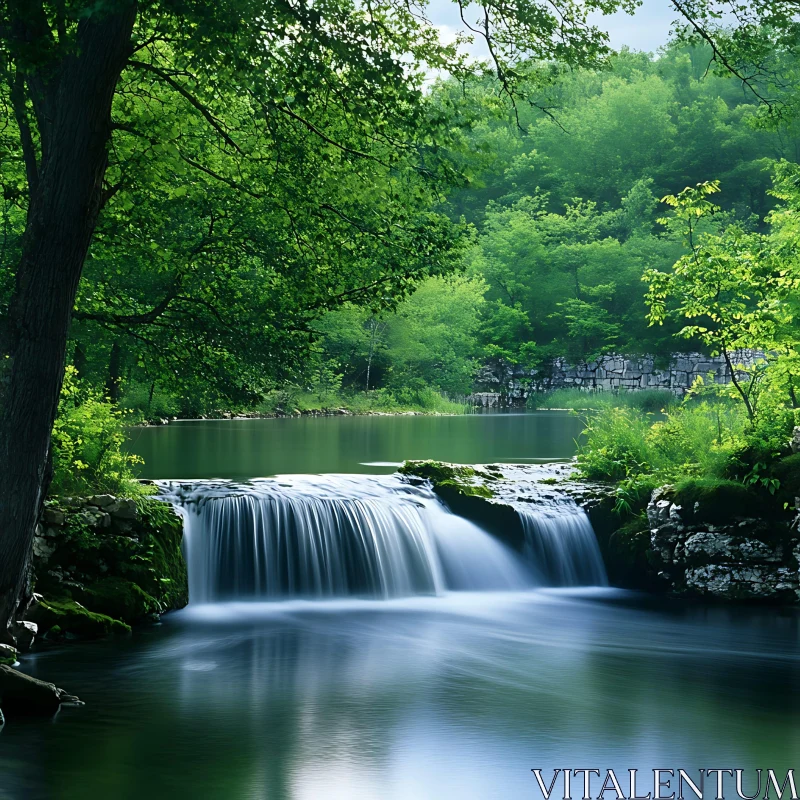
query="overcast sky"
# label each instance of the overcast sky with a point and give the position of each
(647, 30)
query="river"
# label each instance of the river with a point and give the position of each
(427, 691)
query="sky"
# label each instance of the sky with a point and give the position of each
(647, 30)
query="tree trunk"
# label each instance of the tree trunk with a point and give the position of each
(64, 204)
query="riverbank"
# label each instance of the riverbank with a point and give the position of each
(298, 413)
(288, 403)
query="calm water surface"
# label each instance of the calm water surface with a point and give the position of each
(261, 447)
(455, 697)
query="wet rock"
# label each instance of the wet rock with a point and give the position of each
(8, 655)
(25, 633)
(20, 694)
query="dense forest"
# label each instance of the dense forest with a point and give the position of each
(536, 250)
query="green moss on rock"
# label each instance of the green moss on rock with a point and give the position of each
(119, 598)
(716, 500)
(73, 618)
(458, 477)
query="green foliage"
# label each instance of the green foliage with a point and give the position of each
(624, 444)
(88, 444)
(71, 617)
(647, 400)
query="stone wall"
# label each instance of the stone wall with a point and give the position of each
(500, 384)
(103, 563)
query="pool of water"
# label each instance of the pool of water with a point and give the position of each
(312, 445)
(450, 698)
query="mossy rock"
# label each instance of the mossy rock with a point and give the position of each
(162, 574)
(118, 598)
(73, 618)
(8, 655)
(458, 477)
(717, 501)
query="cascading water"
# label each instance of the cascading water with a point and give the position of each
(561, 545)
(369, 536)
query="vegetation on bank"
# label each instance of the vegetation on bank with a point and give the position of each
(647, 400)
(734, 290)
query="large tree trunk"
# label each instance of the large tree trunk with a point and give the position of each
(73, 109)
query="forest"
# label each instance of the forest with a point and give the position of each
(535, 249)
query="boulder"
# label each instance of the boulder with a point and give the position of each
(73, 618)
(25, 633)
(22, 694)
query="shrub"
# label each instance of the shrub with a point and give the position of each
(647, 400)
(88, 441)
(616, 446)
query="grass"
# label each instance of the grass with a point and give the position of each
(379, 400)
(647, 400)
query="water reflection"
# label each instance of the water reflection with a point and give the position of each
(243, 449)
(454, 697)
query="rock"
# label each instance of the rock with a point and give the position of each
(73, 618)
(743, 582)
(118, 598)
(123, 509)
(8, 655)
(794, 442)
(22, 694)
(42, 548)
(25, 634)
(53, 516)
(717, 547)
(102, 500)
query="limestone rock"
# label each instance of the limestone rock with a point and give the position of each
(25, 634)
(724, 547)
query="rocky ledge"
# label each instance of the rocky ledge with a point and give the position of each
(100, 565)
(730, 558)
(492, 495)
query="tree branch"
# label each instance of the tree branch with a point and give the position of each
(190, 98)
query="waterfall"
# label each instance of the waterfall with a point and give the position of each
(560, 544)
(363, 536)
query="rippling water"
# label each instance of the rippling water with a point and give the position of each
(450, 697)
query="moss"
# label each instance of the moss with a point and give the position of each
(163, 574)
(716, 500)
(73, 618)
(455, 476)
(118, 598)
